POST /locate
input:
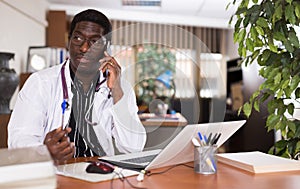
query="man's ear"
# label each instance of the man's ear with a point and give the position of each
(68, 45)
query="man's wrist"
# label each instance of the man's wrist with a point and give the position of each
(117, 94)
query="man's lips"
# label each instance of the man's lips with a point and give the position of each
(83, 59)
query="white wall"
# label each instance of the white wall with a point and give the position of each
(23, 24)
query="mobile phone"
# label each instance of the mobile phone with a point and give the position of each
(108, 50)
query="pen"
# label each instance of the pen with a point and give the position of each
(205, 140)
(201, 139)
(213, 138)
(211, 164)
(217, 138)
(209, 137)
(64, 105)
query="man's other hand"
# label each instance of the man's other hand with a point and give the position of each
(59, 145)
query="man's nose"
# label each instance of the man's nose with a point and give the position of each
(85, 46)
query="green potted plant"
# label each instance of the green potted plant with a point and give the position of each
(265, 33)
(154, 61)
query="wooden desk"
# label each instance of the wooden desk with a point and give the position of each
(184, 177)
(161, 131)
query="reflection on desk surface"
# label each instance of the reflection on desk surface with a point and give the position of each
(150, 119)
(146, 116)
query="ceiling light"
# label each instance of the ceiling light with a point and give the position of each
(146, 3)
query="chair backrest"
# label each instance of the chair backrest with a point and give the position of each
(4, 118)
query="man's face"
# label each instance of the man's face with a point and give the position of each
(86, 47)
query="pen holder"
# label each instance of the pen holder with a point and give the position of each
(205, 161)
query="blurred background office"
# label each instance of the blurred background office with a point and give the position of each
(193, 34)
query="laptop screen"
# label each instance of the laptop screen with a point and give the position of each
(179, 150)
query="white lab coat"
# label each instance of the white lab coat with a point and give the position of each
(38, 111)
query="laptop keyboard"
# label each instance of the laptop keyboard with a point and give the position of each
(143, 159)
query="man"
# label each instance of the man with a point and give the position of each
(80, 107)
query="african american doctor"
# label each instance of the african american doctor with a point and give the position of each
(82, 107)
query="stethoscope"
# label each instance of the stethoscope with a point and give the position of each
(65, 104)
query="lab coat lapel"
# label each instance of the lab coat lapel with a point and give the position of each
(70, 94)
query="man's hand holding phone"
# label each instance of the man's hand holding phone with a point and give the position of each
(112, 71)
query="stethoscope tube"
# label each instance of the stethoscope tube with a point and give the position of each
(65, 103)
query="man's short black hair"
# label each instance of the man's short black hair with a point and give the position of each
(95, 16)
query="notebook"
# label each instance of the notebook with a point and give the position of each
(179, 150)
(259, 162)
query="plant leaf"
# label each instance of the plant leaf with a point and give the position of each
(246, 20)
(289, 14)
(290, 108)
(235, 36)
(293, 38)
(273, 47)
(291, 146)
(281, 144)
(289, 1)
(259, 30)
(297, 93)
(241, 10)
(256, 105)
(249, 44)
(280, 125)
(241, 35)
(237, 25)
(272, 120)
(285, 83)
(277, 78)
(297, 10)
(247, 109)
(253, 32)
(279, 36)
(278, 12)
(297, 148)
(288, 91)
(295, 82)
(262, 22)
(254, 55)
(288, 46)
(269, 7)
(279, 94)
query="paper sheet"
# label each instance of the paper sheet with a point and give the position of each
(77, 170)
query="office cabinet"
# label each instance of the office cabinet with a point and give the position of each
(57, 33)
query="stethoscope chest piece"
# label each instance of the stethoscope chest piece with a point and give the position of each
(65, 105)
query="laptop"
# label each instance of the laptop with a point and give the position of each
(179, 150)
